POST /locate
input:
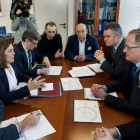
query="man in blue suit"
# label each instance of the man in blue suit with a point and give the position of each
(81, 47)
(26, 54)
(12, 131)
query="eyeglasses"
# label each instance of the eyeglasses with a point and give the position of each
(34, 43)
(128, 48)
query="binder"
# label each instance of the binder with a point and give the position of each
(53, 93)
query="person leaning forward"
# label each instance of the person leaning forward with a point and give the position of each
(128, 84)
(81, 47)
(114, 63)
(26, 54)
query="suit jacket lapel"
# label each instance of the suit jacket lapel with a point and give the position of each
(86, 44)
(77, 44)
(23, 52)
(5, 80)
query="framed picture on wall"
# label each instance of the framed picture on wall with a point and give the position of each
(2, 8)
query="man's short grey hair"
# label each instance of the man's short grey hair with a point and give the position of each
(137, 35)
(115, 27)
(31, 35)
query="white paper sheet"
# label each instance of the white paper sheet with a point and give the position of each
(95, 67)
(81, 72)
(89, 95)
(71, 84)
(55, 70)
(33, 92)
(49, 87)
(86, 111)
(43, 128)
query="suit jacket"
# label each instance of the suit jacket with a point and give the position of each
(10, 132)
(21, 61)
(130, 130)
(72, 48)
(117, 66)
(5, 95)
(131, 92)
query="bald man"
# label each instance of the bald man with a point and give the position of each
(81, 46)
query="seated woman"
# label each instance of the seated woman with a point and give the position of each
(10, 76)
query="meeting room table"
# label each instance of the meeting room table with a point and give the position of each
(59, 111)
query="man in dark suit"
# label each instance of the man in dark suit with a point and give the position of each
(128, 84)
(127, 131)
(114, 63)
(81, 47)
(26, 54)
(12, 131)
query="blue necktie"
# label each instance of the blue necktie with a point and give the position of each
(133, 73)
(114, 51)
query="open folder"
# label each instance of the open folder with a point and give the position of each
(43, 128)
(56, 92)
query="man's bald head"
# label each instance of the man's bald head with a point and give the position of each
(81, 31)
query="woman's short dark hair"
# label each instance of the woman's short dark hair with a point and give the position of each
(50, 24)
(4, 44)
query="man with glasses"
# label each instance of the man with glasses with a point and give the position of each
(26, 54)
(114, 63)
(128, 84)
(81, 47)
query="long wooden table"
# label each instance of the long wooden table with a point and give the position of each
(60, 110)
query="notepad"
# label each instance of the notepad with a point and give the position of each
(53, 70)
(86, 111)
(89, 95)
(81, 72)
(95, 67)
(42, 129)
(71, 84)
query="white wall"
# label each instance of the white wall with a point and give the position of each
(129, 15)
(5, 20)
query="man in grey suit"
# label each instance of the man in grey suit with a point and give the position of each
(114, 63)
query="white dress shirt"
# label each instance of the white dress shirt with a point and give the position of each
(12, 80)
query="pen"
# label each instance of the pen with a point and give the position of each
(101, 49)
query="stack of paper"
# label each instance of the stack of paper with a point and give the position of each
(89, 95)
(42, 129)
(81, 72)
(53, 70)
(86, 111)
(95, 67)
(71, 84)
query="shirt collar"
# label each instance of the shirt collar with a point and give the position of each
(26, 50)
(138, 64)
(82, 41)
(116, 47)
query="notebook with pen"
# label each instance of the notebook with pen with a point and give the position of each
(56, 92)
(42, 129)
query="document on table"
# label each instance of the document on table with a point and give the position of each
(94, 132)
(89, 95)
(96, 67)
(86, 111)
(33, 92)
(81, 72)
(49, 87)
(55, 70)
(71, 84)
(42, 129)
